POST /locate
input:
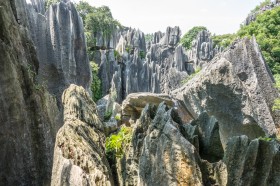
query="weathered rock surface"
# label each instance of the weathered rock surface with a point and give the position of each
(237, 89)
(158, 153)
(133, 105)
(253, 162)
(79, 155)
(202, 50)
(29, 117)
(60, 46)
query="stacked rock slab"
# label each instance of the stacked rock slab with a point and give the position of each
(237, 89)
(29, 117)
(79, 155)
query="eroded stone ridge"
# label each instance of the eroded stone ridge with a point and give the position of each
(79, 155)
(237, 89)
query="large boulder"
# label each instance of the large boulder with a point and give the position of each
(79, 155)
(236, 87)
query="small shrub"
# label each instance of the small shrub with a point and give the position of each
(118, 117)
(117, 55)
(265, 138)
(96, 82)
(107, 115)
(142, 54)
(117, 143)
(191, 76)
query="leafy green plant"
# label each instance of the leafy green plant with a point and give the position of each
(266, 30)
(129, 49)
(117, 55)
(148, 37)
(188, 38)
(117, 143)
(107, 115)
(265, 138)
(223, 40)
(191, 76)
(276, 105)
(96, 82)
(118, 117)
(142, 54)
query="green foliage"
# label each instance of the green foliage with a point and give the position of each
(118, 117)
(129, 49)
(117, 55)
(191, 76)
(84, 8)
(48, 3)
(96, 82)
(276, 105)
(107, 115)
(266, 30)
(148, 37)
(188, 38)
(262, 4)
(142, 54)
(100, 20)
(265, 139)
(223, 40)
(117, 143)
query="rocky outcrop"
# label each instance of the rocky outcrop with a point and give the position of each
(60, 46)
(253, 15)
(133, 105)
(79, 155)
(253, 162)
(237, 89)
(158, 153)
(29, 117)
(202, 50)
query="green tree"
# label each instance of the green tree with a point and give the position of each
(84, 8)
(96, 82)
(187, 39)
(266, 30)
(223, 40)
(48, 3)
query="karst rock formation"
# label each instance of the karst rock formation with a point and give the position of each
(216, 128)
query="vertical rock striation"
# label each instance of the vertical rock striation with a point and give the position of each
(29, 117)
(237, 89)
(60, 45)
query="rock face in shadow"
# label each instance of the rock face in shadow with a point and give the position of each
(29, 117)
(79, 155)
(60, 46)
(237, 89)
(253, 162)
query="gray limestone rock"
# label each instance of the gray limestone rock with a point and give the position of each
(79, 155)
(60, 47)
(171, 37)
(29, 116)
(158, 153)
(253, 162)
(237, 89)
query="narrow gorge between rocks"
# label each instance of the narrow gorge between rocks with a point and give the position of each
(84, 107)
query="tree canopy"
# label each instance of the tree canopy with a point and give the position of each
(187, 39)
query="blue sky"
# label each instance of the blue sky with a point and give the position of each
(219, 16)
